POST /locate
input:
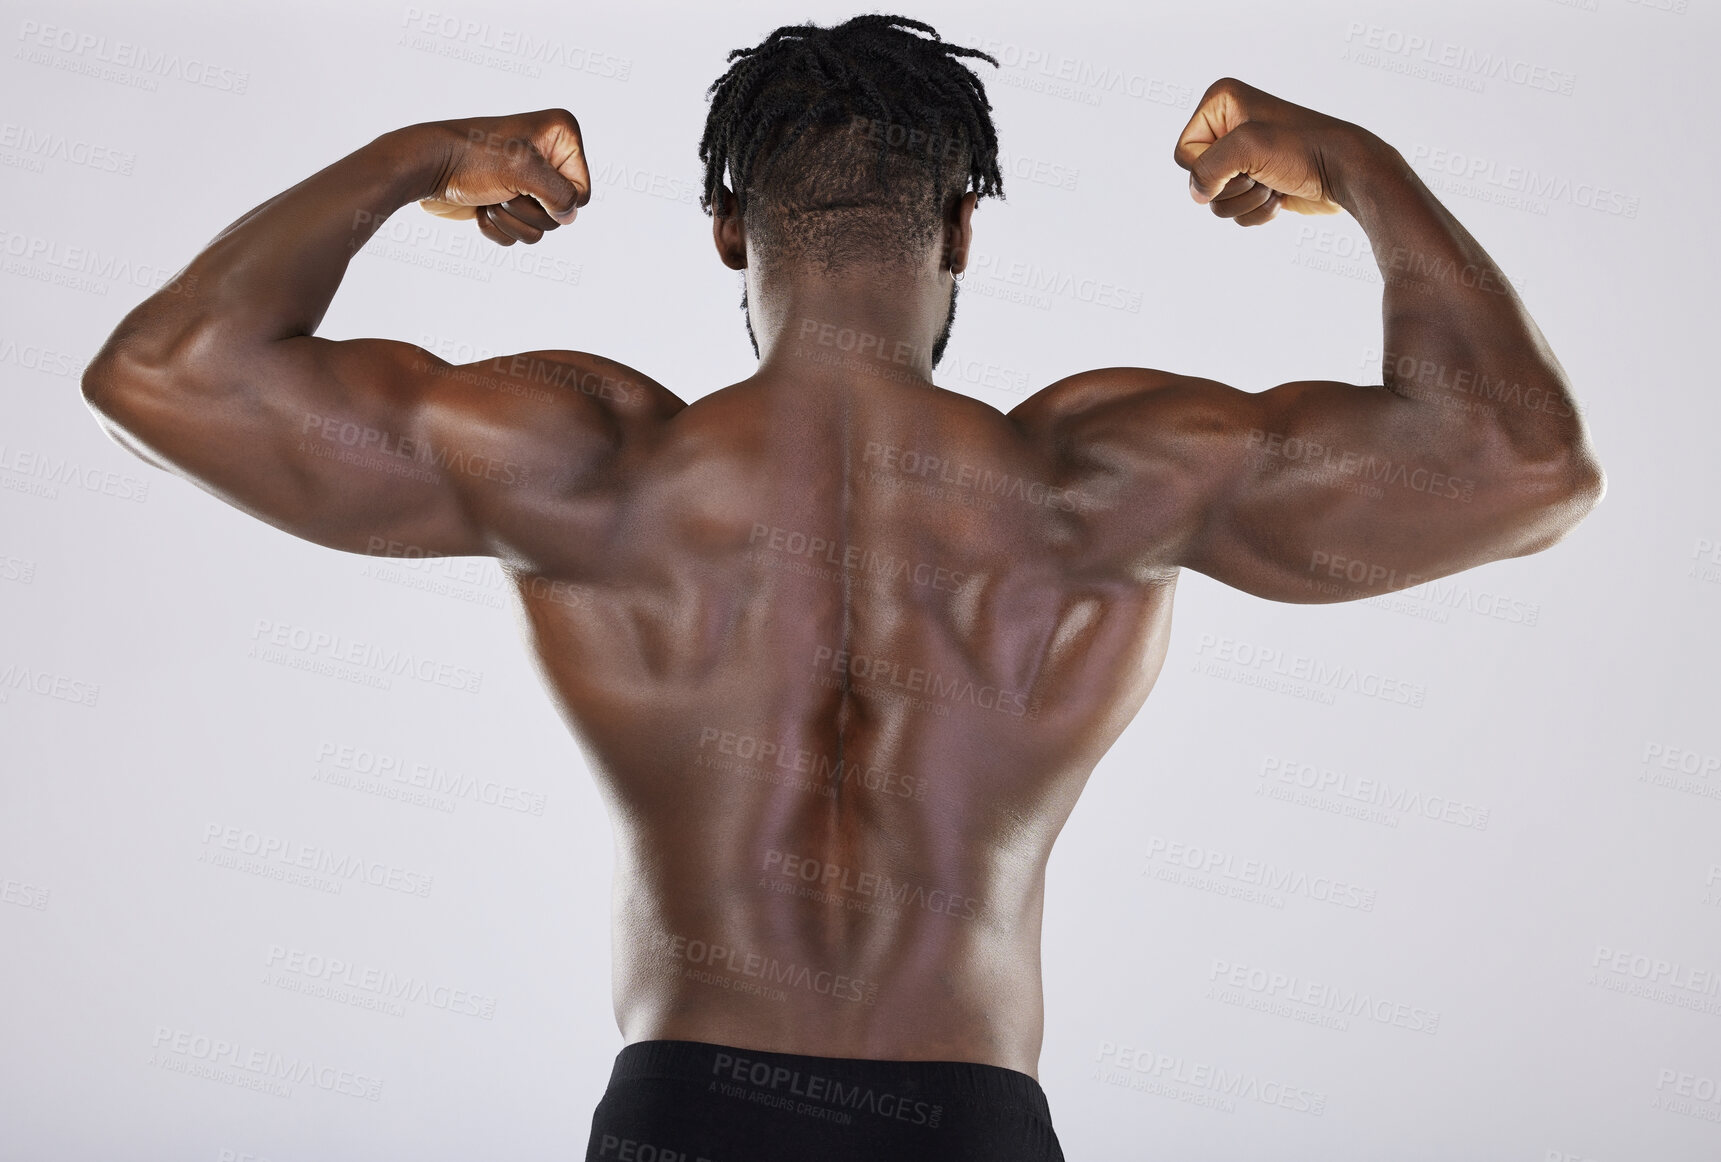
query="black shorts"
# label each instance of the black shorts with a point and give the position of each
(692, 1101)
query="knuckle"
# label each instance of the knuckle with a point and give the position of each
(1253, 136)
(1226, 87)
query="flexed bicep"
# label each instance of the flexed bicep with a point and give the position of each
(1324, 491)
(367, 445)
(1317, 490)
(1311, 491)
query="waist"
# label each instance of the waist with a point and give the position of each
(906, 1090)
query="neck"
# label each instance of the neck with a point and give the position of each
(868, 320)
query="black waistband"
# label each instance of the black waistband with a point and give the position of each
(964, 1083)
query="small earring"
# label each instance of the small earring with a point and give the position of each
(957, 275)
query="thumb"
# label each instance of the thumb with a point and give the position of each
(560, 196)
(1240, 151)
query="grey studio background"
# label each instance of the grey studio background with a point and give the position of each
(1487, 925)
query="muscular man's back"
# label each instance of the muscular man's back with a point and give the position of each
(842, 659)
(843, 647)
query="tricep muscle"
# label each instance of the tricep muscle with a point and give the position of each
(364, 445)
(1311, 491)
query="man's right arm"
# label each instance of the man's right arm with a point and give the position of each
(1470, 450)
(361, 444)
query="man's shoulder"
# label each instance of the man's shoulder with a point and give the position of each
(1126, 402)
(564, 417)
(622, 390)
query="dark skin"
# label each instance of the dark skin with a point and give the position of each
(842, 647)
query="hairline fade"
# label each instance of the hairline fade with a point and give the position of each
(844, 143)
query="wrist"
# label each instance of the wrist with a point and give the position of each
(1356, 161)
(419, 158)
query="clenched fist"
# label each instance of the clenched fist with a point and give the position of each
(1248, 153)
(519, 176)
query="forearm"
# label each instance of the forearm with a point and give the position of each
(272, 274)
(1456, 333)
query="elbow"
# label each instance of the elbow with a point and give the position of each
(1549, 465)
(141, 364)
(104, 389)
(1587, 483)
(1572, 480)
(1554, 497)
(117, 384)
(98, 384)
(109, 373)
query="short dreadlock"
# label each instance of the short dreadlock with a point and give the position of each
(795, 119)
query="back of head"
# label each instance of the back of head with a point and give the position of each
(846, 145)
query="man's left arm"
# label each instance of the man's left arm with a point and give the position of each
(1470, 450)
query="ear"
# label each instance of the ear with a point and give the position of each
(959, 231)
(726, 229)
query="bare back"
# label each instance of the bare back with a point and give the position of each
(843, 648)
(842, 670)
